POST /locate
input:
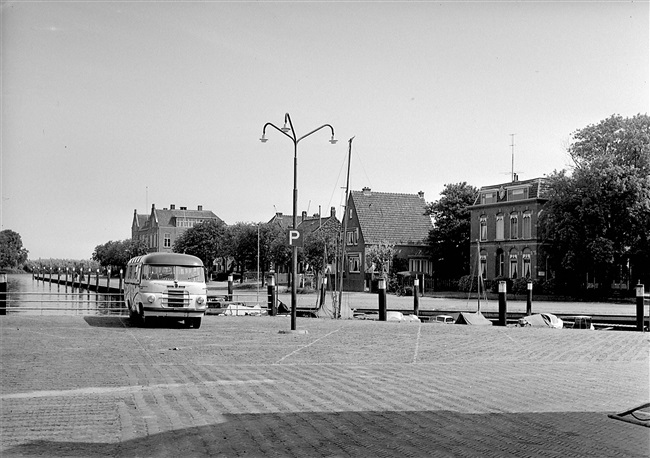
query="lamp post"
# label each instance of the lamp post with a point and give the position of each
(290, 132)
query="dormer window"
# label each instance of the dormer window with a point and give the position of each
(517, 194)
(489, 197)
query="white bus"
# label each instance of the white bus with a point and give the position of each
(166, 285)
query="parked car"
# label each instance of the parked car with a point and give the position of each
(444, 319)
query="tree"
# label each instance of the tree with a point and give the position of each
(117, 253)
(449, 240)
(274, 249)
(207, 241)
(242, 245)
(380, 256)
(596, 223)
(12, 253)
(319, 248)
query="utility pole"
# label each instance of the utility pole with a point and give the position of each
(337, 314)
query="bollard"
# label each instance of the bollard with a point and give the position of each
(121, 280)
(97, 280)
(90, 271)
(381, 287)
(108, 280)
(230, 288)
(58, 276)
(529, 298)
(50, 276)
(272, 302)
(3, 292)
(67, 276)
(640, 315)
(416, 297)
(323, 289)
(502, 303)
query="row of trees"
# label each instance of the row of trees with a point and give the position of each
(596, 221)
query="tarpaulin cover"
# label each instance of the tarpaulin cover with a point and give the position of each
(541, 320)
(475, 319)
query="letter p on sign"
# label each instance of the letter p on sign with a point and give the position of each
(295, 238)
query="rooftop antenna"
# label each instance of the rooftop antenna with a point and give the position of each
(512, 173)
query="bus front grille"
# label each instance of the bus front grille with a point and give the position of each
(176, 298)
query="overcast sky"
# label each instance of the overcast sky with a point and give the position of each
(109, 107)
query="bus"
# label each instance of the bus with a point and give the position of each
(166, 285)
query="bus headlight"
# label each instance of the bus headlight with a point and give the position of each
(151, 298)
(200, 300)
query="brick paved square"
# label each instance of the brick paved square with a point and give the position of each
(98, 386)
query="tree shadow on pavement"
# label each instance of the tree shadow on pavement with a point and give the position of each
(373, 433)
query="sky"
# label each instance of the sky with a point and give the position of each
(111, 107)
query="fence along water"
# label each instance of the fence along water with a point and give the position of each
(42, 294)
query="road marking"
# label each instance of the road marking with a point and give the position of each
(98, 390)
(305, 346)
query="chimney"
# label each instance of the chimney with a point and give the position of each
(515, 177)
(200, 208)
(172, 206)
(304, 216)
(333, 212)
(183, 208)
(421, 194)
(367, 191)
(278, 214)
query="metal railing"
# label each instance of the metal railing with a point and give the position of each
(76, 303)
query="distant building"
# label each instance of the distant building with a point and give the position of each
(307, 225)
(160, 228)
(505, 240)
(378, 217)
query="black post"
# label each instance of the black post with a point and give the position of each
(382, 299)
(97, 280)
(3, 292)
(416, 297)
(502, 303)
(230, 287)
(640, 315)
(272, 303)
(108, 280)
(529, 298)
(323, 289)
(121, 280)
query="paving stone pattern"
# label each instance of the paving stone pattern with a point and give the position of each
(237, 387)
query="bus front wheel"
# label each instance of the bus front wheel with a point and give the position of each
(193, 322)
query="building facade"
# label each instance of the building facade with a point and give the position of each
(505, 240)
(374, 218)
(160, 228)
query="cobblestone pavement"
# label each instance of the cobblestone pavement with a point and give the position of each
(238, 387)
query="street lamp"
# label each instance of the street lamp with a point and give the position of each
(290, 132)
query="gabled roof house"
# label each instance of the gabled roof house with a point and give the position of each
(160, 228)
(378, 217)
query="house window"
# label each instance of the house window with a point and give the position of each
(514, 226)
(488, 198)
(483, 265)
(526, 259)
(354, 263)
(483, 228)
(167, 241)
(517, 194)
(420, 266)
(499, 227)
(501, 263)
(513, 265)
(526, 226)
(353, 237)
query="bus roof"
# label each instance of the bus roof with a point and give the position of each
(168, 259)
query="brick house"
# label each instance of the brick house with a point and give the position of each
(160, 228)
(306, 224)
(504, 230)
(377, 217)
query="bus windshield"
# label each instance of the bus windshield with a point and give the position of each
(173, 273)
